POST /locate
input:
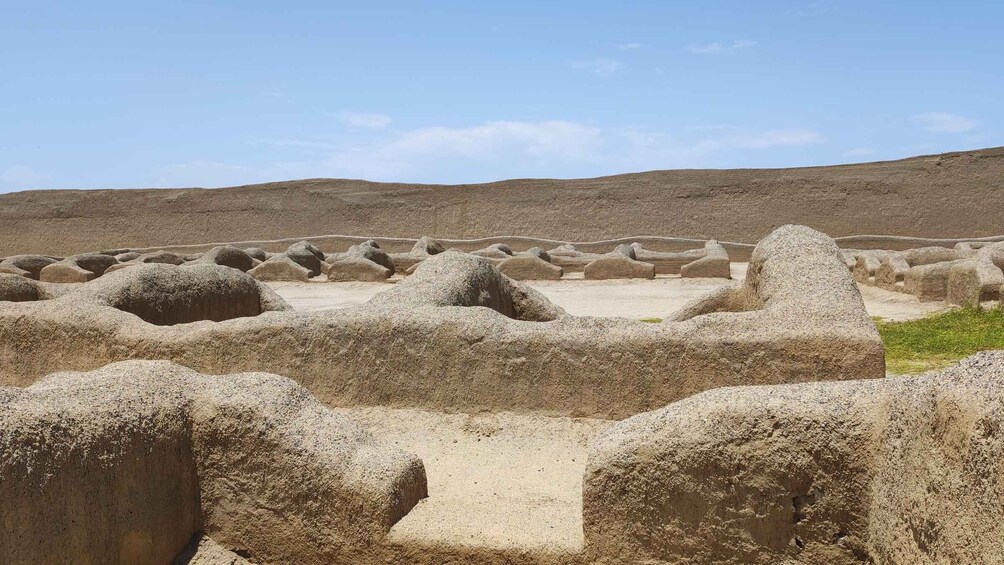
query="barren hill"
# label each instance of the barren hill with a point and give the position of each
(937, 196)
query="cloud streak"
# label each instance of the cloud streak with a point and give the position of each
(497, 150)
(599, 66)
(859, 152)
(716, 48)
(763, 140)
(943, 122)
(204, 173)
(365, 120)
(549, 148)
(22, 177)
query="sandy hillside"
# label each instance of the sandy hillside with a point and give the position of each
(938, 196)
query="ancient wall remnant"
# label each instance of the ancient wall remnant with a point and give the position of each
(896, 470)
(124, 464)
(801, 319)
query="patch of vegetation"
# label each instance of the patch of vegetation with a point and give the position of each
(652, 320)
(939, 341)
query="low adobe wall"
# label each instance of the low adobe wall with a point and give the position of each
(897, 470)
(797, 317)
(738, 251)
(967, 275)
(126, 463)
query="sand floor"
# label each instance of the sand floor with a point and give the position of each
(497, 482)
(636, 298)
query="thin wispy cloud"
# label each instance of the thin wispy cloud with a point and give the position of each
(762, 139)
(505, 149)
(627, 46)
(205, 173)
(292, 142)
(21, 177)
(599, 66)
(811, 10)
(717, 48)
(494, 150)
(945, 122)
(859, 152)
(781, 137)
(365, 120)
(491, 143)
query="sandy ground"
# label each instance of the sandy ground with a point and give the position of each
(896, 306)
(637, 298)
(497, 481)
(204, 551)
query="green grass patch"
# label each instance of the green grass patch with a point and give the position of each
(939, 341)
(652, 320)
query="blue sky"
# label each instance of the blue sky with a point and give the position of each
(137, 94)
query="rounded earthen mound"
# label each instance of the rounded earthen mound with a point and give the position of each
(228, 256)
(15, 288)
(26, 265)
(167, 294)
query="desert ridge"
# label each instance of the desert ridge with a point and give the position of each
(932, 197)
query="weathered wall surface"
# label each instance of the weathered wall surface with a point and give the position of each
(951, 195)
(123, 464)
(903, 470)
(798, 316)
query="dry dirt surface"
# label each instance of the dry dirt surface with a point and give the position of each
(636, 299)
(936, 196)
(896, 306)
(498, 483)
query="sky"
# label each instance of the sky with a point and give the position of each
(175, 94)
